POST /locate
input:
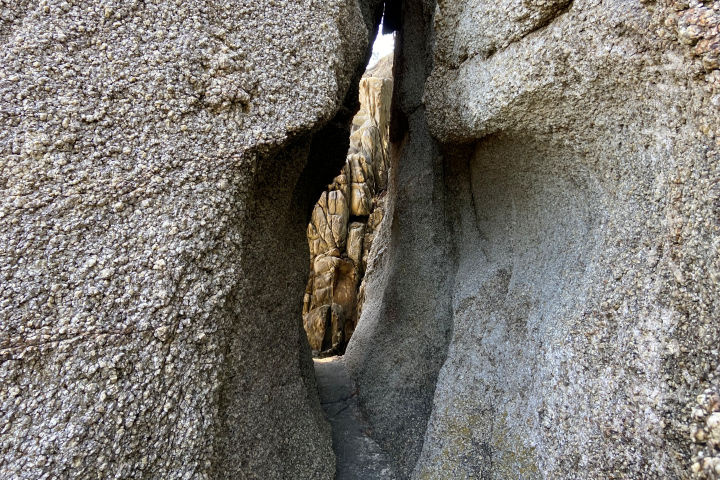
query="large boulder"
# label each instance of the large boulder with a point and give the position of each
(576, 206)
(157, 161)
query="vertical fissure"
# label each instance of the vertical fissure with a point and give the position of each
(348, 215)
(341, 234)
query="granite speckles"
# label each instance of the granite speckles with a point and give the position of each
(134, 140)
(705, 433)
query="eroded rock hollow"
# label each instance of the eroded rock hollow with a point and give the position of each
(541, 297)
(551, 277)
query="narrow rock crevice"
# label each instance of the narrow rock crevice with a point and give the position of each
(346, 219)
(401, 340)
(357, 455)
(522, 269)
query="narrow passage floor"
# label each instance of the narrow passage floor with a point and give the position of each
(358, 456)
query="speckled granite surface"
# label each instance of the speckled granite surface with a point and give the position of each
(149, 157)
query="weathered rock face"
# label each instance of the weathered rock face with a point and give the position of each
(705, 433)
(346, 218)
(400, 341)
(155, 157)
(577, 145)
(540, 298)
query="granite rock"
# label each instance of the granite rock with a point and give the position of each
(550, 283)
(155, 157)
(341, 230)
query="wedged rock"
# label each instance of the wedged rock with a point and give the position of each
(338, 326)
(382, 69)
(157, 161)
(338, 215)
(307, 298)
(356, 135)
(358, 121)
(342, 181)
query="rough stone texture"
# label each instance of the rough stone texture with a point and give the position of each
(357, 455)
(152, 165)
(541, 298)
(698, 26)
(579, 146)
(400, 341)
(585, 230)
(345, 219)
(705, 432)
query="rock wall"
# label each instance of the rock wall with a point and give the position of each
(541, 296)
(557, 165)
(345, 220)
(155, 157)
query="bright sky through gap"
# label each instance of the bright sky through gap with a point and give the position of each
(383, 45)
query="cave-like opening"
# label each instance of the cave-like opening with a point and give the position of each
(349, 213)
(344, 225)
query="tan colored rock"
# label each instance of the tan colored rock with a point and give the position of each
(317, 323)
(323, 278)
(337, 326)
(376, 96)
(345, 285)
(307, 298)
(328, 225)
(382, 69)
(375, 218)
(356, 234)
(360, 199)
(358, 121)
(333, 282)
(339, 251)
(338, 215)
(342, 181)
(361, 170)
(374, 147)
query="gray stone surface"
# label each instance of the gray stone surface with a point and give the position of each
(541, 299)
(357, 455)
(153, 197)
(400, 342)
(586, 293)
(579, 146)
